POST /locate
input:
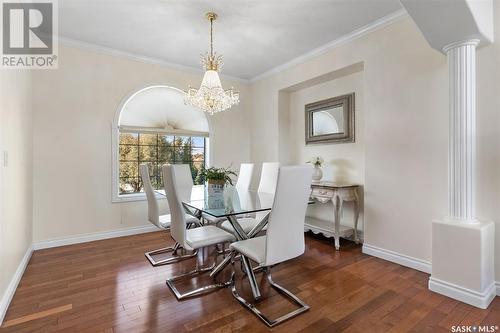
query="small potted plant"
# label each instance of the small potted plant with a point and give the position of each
(216, 178)
(317, 161)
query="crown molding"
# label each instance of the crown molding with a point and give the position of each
(75, 43)
(375, 25)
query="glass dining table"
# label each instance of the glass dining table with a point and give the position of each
(231, 204)
(228, 204)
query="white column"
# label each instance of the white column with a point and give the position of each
(463, 253)
(462, 140)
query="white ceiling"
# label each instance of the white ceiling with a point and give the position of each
(254, 36)
(162, 107)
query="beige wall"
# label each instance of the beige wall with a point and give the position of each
(343, 162)
(488, 131)
(403, 162)
(406, 132)
(405, 152)
(74, 107)
(16, 187)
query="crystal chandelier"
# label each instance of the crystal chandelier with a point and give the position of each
(211, 97)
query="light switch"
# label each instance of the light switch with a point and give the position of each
(5, 158)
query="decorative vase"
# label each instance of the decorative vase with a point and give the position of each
(317, 174)
(215, 187)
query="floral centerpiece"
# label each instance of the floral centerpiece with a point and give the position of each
(216, 178)
(317, 161)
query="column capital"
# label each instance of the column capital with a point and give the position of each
(465, 42)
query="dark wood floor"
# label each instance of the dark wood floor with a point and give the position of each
(109, 286)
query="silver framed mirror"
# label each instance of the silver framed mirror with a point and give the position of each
(330, 120)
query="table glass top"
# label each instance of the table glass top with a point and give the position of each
(230, 201)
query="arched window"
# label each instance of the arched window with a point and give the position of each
(154, 126)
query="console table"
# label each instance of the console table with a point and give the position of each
(337, 193)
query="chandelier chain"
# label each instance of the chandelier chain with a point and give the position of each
(211, 37)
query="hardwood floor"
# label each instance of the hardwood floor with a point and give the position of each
(109, 286)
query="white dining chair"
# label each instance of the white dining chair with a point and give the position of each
(244, 176)
(284, 239)
(189, 239)
(267, 184)
(161, 221)
(243, 184)
(268, 177)
(184, 180)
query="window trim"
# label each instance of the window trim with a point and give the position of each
(115, 141)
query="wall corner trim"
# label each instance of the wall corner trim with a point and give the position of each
(472, 297)
(398, 258)
(14, 282)
(83, 238)
(497, 284)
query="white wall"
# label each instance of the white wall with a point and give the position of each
(74, 107)
(345, 162)
(16, 187)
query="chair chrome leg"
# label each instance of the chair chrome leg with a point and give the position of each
(251, 277)
(170, 260)
(221, 265)
(271, 322)
(198, 291)
(224, 250)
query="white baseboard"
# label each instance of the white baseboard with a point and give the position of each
(497, 284)
(11, 288)
(398, 258)
(472, 297)
(45, 244)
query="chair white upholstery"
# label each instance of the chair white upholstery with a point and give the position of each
(161, 221)
(187, 238)
(285, 231)
(191, 239)
(246, 223)
(253, 248)
(267, 183)
(285, 235)
(184, 181)
(268, 177)
(185, 186)
(245, 176)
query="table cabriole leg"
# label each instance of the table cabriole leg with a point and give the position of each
(336, 213)
(356, 215)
